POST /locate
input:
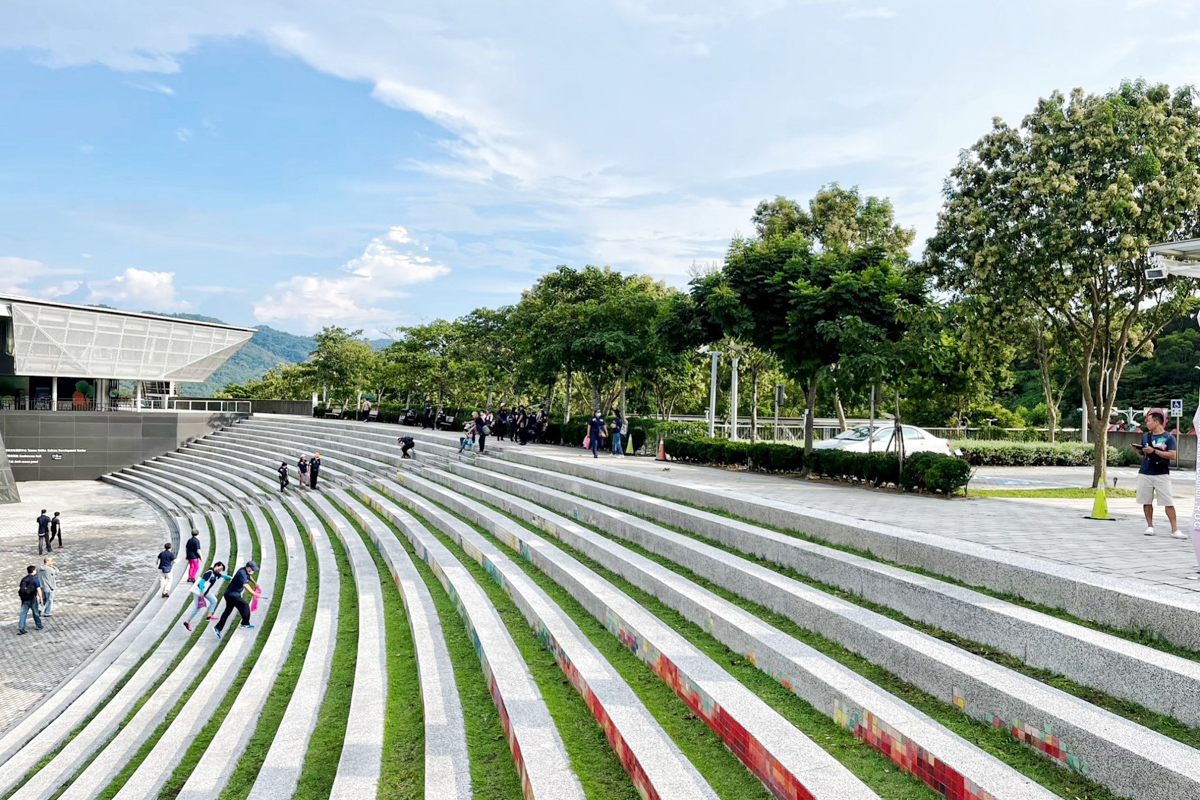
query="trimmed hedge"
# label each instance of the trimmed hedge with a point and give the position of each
(923, 472)
(1039, 454)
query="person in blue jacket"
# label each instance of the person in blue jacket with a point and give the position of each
(596, 432)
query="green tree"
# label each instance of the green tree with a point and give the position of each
(837, 220)
(1057, 214)
(342, 361)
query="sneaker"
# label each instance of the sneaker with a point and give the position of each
(1150, 531)
(1178, 534)
(247, 627)
(188, 625)
(213, 618)
(22, 633)
(218, 630)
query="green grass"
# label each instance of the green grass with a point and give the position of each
(148, 745)
(1066, 493)
(592, 758)
(995, 741)
(1143, 636)
(246, 771)
(202, 741)
(494, 776)
(113, 693)
(403, 772)
(325, 746)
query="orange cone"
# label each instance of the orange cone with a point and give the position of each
(662, 449)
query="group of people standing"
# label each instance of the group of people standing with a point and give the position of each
(522, 426)
(309, 470)
(599, 430)
(49, 529)
(237, 586)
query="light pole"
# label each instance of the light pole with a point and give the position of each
(712, 389)
(736, 351)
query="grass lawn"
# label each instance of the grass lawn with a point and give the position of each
(1065, 493)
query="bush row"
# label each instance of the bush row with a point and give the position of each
(1039, 454)
(923, 472)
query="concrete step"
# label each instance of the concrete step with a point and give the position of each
(178, 484)
(1117, 601)
(1110, 749)
(362, 750)
(149, 679)
(447, 767)
(648, 754)
(1160, 681)
(171, 746)
(788, 762)
(271, 448)
(533, 737)
(222, 493)
(280, 771)
(169, 503)
(217, 470)
(371, 440)
(215, 767)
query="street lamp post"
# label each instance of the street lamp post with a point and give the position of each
(712, 389)
(733, 398)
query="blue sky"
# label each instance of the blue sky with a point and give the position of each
(373, 164)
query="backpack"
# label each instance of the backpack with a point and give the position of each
(28, 589)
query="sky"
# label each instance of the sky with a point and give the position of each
(376, 163)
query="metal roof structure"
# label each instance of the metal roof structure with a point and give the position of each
(60, 339)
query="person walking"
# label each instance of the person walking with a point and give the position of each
(55, 532)
(29, 591)
(283, 475)
(213, 576)
(234, 599)
(192, 553)
(302, 470)
(43, 523)
(596, 432)
(314, 469)
(47, 575)
(166, 562)
(482, 429)
(1158, 449)
(618, 430)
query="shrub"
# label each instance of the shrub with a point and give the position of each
(1025, 454)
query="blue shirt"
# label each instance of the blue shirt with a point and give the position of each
(166, 560)
(1156, 464)
(238, 584)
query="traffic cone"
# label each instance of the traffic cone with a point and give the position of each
(1099, 505)
(629, 446)
(662, 450)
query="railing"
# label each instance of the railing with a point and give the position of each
(225, 406)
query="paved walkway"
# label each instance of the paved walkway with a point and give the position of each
(1051, 529)
(110, 539)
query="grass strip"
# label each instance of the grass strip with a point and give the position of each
(1135, 712)
(325, 746)
(403, 772)
(592, 758)
(1057, 493)
(995, 741)
(203, 739)
(494, 776)
(147, 746)
(246, 771)
(871, 767)
(112, 693)
(1143, 636)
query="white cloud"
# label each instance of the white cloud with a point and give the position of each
(183, 134)
(25, 276)
(364, 290)
(152, 86)
(138, 290)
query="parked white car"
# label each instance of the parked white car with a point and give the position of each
(916, 440)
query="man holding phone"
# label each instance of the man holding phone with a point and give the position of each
(1157, 449)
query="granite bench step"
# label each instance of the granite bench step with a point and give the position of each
(370, 447)
(259, 468)
(648, 755)
(362, 749)
(216, 766)
(34, 738)
(786, 760)
(447, 768)
(273, 449)
(224, 492)
(280, 771)
(350, 456)
(1118, 601)
(205, 698)
(1160, 681)
(181, 483)
(538, 751)
(169, 503)
(147, 680)
(217, 470)
(1110, 749)
(374, 437)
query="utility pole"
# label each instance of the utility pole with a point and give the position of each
(779, 398)
(712, 396)
(733, 398)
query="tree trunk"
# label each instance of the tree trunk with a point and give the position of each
(810, 412)
(754, 403)
(1052, 420)
(550, 396)
(841, 412)
(624, 377)
(1047, 386)
(567, 404)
